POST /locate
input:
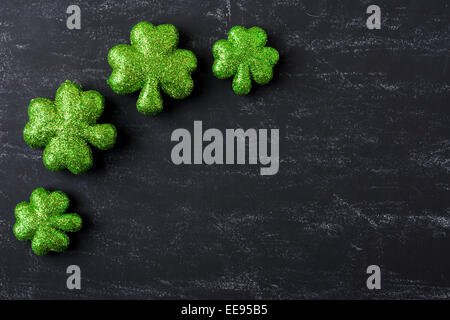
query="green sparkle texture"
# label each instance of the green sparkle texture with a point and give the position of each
(43, 221)
(244, 56)
(152, 62)
(65, 126)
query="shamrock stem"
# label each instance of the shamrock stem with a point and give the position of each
(242, 83)
(150, 101)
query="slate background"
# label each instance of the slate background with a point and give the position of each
(364, 143)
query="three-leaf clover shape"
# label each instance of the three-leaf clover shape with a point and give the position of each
(152, 62)
(244, 56)
(65, 126)
(44, 223)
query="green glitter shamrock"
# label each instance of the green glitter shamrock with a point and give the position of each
(43, 221)
(152, 62)
(244, 56)
(65, 126)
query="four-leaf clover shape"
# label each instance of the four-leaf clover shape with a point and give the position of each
(43, 221)
(152, 62)
(65, 126)
(244, 56)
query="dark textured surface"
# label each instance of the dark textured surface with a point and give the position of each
(364, 144)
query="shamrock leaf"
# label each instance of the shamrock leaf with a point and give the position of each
(65, 126)
(152, 62)
(43, 221)
(244, 56)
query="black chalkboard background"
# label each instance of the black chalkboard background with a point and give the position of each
(364, 149)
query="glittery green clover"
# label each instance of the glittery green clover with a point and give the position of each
(44, 223)
(152, 62)
(244, 56)
(65, 126)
